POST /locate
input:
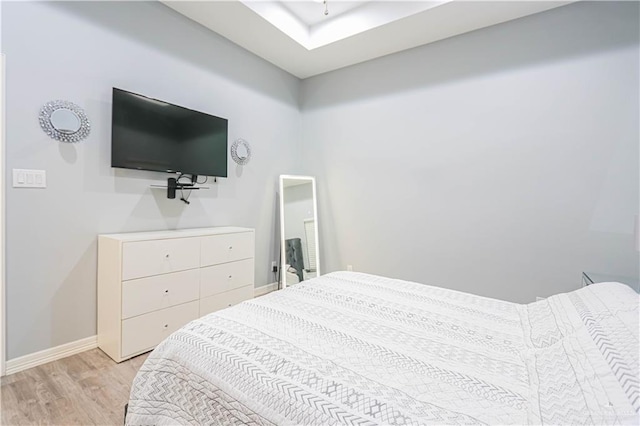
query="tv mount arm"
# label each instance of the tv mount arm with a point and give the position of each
(174, 184)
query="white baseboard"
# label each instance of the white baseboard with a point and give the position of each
(265, 289)
(51, 354)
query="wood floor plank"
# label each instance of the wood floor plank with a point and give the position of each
(83, 389)
(26, 409)
(67, 411)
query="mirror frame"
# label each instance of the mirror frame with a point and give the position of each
(234, 151)
(283, 275)
(47, 126)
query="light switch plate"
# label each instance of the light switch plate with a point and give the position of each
(25, 178)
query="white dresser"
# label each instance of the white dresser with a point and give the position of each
(152, 283)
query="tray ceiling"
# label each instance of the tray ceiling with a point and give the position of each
(297, 37)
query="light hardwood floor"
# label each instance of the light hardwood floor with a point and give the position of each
(83, 389)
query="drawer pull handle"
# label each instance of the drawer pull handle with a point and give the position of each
(166, 326)
(166, 291)
(229, 276)
(167, 255)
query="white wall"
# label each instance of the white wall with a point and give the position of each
(502, 162)
(78, 51)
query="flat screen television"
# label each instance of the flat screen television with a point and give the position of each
(149, 134)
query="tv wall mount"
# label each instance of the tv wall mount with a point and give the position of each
(174, 185)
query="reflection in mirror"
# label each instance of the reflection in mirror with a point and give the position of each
(298, 230)
(242, 152)
(65, 121)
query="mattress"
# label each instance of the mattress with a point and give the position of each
(352, 348)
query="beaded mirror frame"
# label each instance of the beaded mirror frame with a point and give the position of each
(64, 135)
(241, 160)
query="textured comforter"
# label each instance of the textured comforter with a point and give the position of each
(351, 348)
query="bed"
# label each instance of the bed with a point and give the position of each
(352, 348)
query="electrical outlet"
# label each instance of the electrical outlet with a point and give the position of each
(349, 267)
(274, 266)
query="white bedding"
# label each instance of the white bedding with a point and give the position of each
(351, 348)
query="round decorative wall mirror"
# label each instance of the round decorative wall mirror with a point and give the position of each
(64, 121)
(241, 151)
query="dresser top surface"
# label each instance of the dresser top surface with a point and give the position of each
(175, 233)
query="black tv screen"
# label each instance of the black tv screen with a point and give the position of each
(148, 134)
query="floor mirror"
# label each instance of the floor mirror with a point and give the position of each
(299, 247)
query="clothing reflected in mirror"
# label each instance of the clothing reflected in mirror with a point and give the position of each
(299, 230)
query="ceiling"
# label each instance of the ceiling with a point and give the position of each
(289, 182)
(312, 12)
(297, 36)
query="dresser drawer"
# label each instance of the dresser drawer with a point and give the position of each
(145, 331)
(161, 291)
(224, 248)
(225, 277)
(226, 299)
(146, 258)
